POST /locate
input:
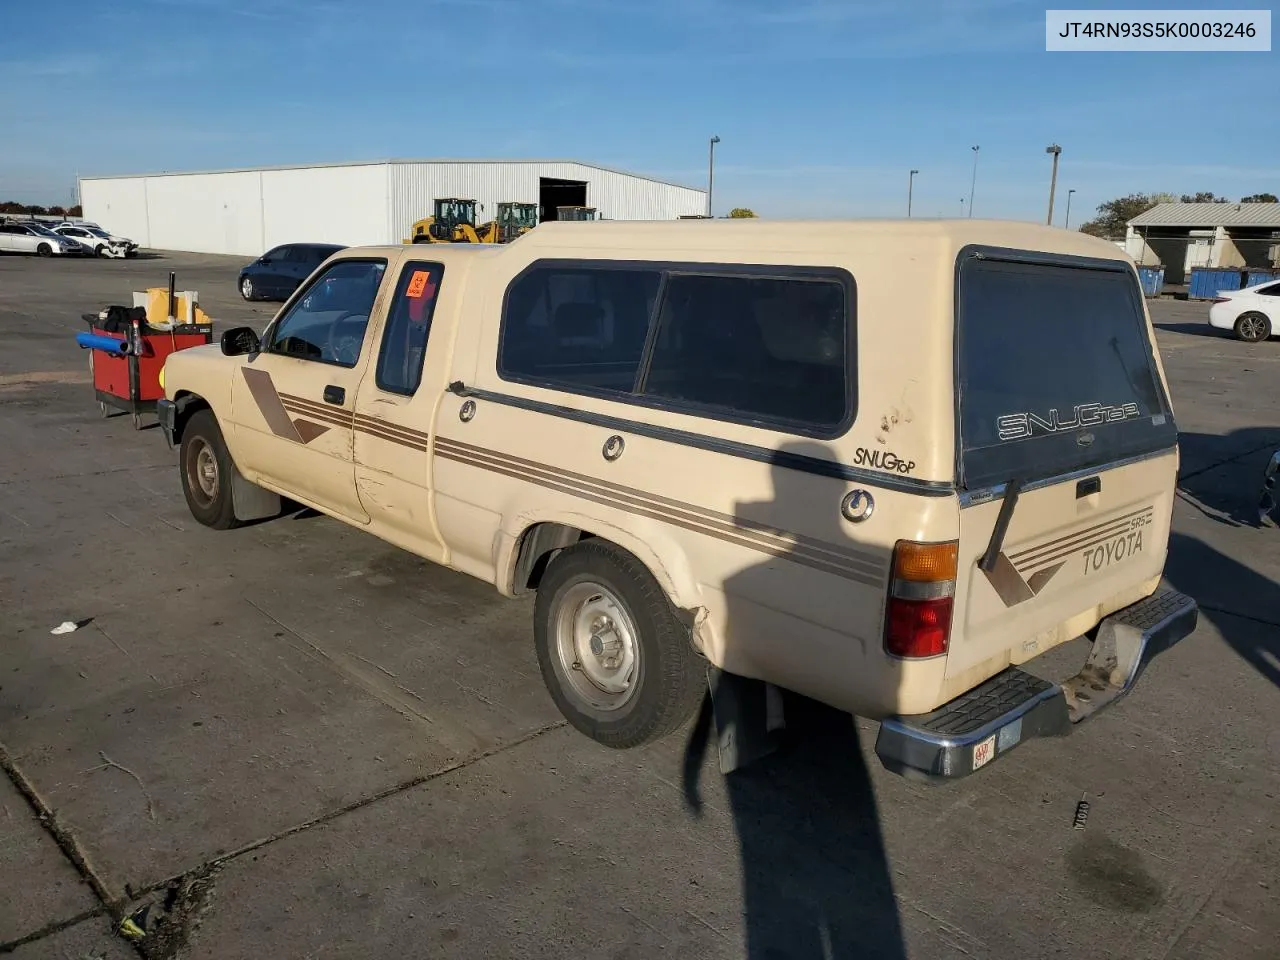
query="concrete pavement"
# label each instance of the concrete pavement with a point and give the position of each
(293, 739)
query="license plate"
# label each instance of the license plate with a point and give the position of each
(984, 752)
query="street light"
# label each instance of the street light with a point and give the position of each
(1068, 220)
(711, 171)
(1053, 182)
(974, 181)
(910, 184)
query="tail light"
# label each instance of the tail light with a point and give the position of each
(921, 598)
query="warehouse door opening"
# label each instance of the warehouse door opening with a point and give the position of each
(553, 193)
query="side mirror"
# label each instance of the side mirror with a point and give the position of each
(239, 341)
(264, 260)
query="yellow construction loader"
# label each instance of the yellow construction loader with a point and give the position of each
(515, 220)
(454, 221)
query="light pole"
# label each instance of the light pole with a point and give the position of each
(1053, 181)
(711, 171)
(974, 181)
(1067, 223)
(911, 177)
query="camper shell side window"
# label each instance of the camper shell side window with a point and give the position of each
(763, 345)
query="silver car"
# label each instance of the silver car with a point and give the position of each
(36, 238)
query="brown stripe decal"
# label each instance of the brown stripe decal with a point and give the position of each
(1063, 547)
(851, 565)
(264, 395)
(308, 430)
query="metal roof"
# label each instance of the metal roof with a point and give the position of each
(1210, 215)
(389, 161)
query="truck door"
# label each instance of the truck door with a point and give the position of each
(394, 411)
(293, 404)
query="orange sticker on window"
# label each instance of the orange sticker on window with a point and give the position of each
(417, 284)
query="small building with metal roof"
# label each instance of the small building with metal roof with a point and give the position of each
(1181, 236)
(248, 211)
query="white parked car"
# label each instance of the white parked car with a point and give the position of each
(98, 241)
(1252, 313)
(38, 239)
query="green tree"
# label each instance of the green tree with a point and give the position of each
(1260, 198)
(76, 211)
(741, 213)
(1115, 214)
(1204, 196)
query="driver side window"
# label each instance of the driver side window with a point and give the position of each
(328, 322)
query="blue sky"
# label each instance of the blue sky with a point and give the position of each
(821, 106)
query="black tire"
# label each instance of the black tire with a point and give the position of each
(202, 446)
(667, 677)
(1253, 327)
(44, 250)
(247, 289)
(97, 251)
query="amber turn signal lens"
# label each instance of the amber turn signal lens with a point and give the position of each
(925, 562)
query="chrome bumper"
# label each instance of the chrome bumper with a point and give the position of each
(1013, 706)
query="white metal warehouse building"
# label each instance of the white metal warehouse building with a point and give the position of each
(248, 211)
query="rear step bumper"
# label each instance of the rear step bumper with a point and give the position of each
(1013, 706)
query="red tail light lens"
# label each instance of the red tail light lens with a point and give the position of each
(918, 628)
(921, 600)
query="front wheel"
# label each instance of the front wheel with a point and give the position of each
(44, 250)
(1253, 327)
(100, 250)
(206, 472)
(246, 288)
(618, 662)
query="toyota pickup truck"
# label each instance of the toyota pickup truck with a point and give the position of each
(884, 465)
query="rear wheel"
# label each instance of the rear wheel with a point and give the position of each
(618, 662)
(44, 250)
(206, 472)
(1253, 327)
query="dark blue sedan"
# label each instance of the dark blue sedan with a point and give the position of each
(279, 271)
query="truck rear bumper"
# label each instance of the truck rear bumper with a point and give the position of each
(1013, 706)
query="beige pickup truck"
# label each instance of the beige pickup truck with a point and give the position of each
(883, 465)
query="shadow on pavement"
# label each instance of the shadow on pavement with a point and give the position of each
(1244, 605)
(1242, 453)
(815, 873)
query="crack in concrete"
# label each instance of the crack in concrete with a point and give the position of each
(188, 894)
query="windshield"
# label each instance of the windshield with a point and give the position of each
(97, 232)
(45, 231)
(1055, 370)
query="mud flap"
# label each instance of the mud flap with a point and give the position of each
(250, 501)
(748, 717)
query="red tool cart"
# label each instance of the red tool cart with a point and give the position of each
(126, 364)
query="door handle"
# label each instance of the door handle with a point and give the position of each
(335, 395)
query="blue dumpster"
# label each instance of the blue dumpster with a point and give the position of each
(1255, 277)
(1152, 280)
(1207, 281)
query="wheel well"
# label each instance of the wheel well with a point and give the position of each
(188, 405)
(538, 545)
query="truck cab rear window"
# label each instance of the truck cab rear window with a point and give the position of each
(762, 348)
(1055, 370)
